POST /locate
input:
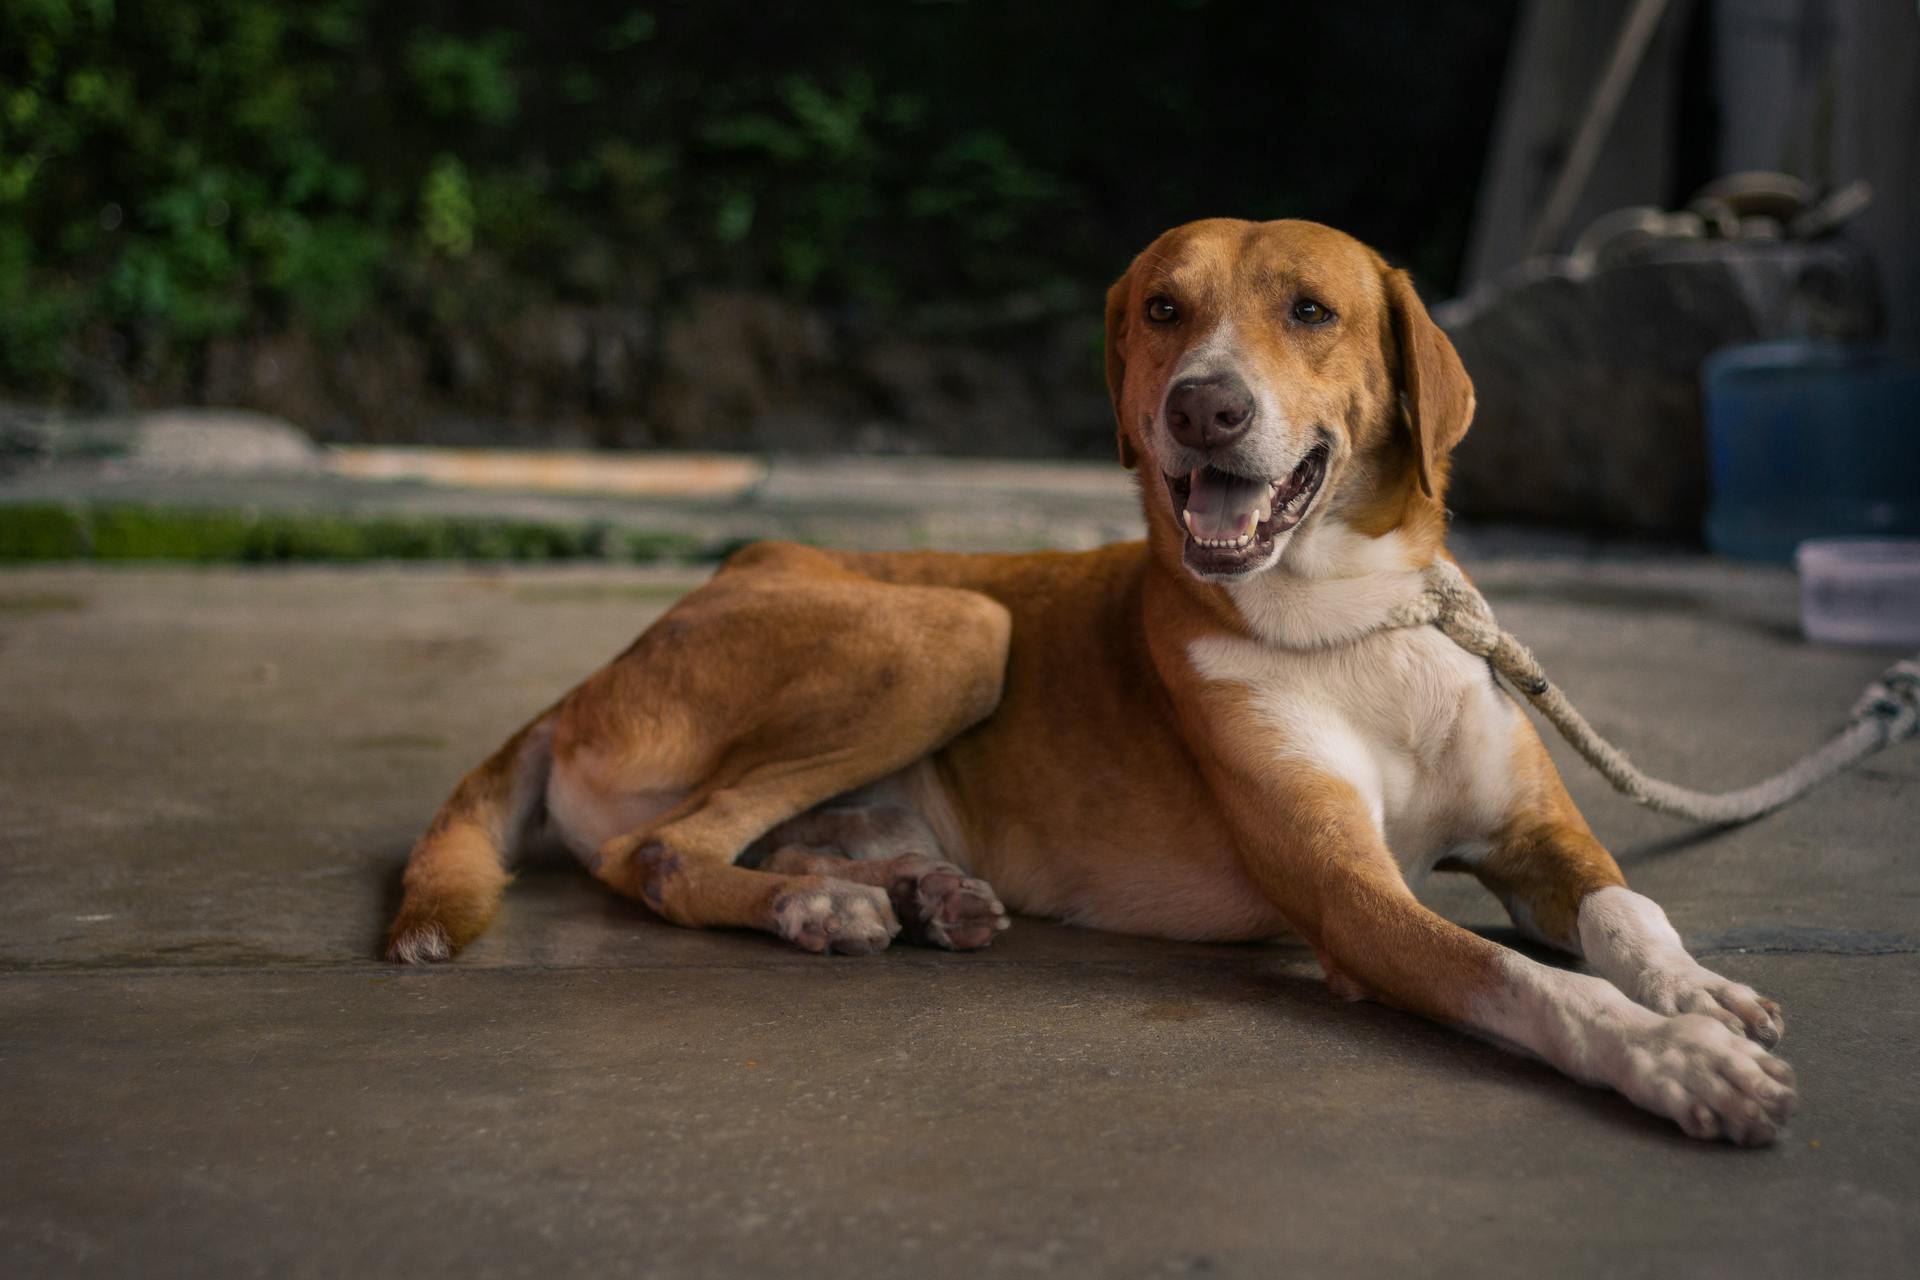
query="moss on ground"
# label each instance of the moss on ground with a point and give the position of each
(41, 533)
(41, 602)
(44, 531)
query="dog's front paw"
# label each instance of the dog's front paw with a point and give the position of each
(833, 915)
(1709, 1079)
(942, 906)
(1693, 988)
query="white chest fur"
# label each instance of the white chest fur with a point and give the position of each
(1415, 724)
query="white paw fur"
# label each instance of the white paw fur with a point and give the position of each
(1696, 1070)
(1629, 941)
(1710, 1080)
(852, 919)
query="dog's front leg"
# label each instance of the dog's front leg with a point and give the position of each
(1563, 888)
(1312, 846)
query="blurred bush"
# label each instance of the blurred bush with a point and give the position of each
(172, 171)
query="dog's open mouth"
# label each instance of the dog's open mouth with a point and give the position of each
(1231, 521)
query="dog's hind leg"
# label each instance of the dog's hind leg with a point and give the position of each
(682, 868)
(821, 901)
(780, 689)
(856, 826)
(890, 847)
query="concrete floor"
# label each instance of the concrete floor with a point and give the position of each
(208, 780)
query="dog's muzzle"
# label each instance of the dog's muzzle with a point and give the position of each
(1232, 521)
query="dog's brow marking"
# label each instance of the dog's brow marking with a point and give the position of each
(1149, 257)
(1158, 269)
(1280, 284)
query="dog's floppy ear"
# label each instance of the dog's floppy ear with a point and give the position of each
(1117, 315)
(1439, 395)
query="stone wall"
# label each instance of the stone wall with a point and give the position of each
(721, 370)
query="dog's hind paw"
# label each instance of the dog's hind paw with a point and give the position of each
(834, 915)
(942, 906)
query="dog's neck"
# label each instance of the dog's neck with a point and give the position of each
(1333, 583)
(1339, 576)
(1331, 586)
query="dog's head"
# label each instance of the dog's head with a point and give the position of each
(1271, 376)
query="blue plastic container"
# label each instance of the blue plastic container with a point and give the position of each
(1809, 440)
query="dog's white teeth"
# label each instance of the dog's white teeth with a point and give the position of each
(1244, 540)
(1188, 517)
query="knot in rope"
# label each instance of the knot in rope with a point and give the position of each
(1894, 699)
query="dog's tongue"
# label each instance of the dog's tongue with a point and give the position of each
(1223, 506)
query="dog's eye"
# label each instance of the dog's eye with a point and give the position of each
(1160, 309)
(1307, 311)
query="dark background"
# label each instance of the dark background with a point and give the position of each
(223, 200)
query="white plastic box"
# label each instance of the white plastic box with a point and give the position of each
(1860, 590)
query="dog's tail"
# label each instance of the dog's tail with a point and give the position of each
(459, 867)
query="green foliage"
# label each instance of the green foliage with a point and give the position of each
(37, 316)
(164, 173)
(465, 79)
(172, 171)
(820, 167)
(446, 208)
(182, 169)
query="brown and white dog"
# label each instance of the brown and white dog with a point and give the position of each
(1204, 735)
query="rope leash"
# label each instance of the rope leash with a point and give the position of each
(1889, 711)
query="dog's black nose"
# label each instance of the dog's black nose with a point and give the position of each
(1205, 413)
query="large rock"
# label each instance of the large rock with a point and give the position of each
(1588, 382)
(218, 442)
(186, 441)
(566, 363)
(746, 371)
(731, 364)
(713, 370)
(960, 399)
(371, 384)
